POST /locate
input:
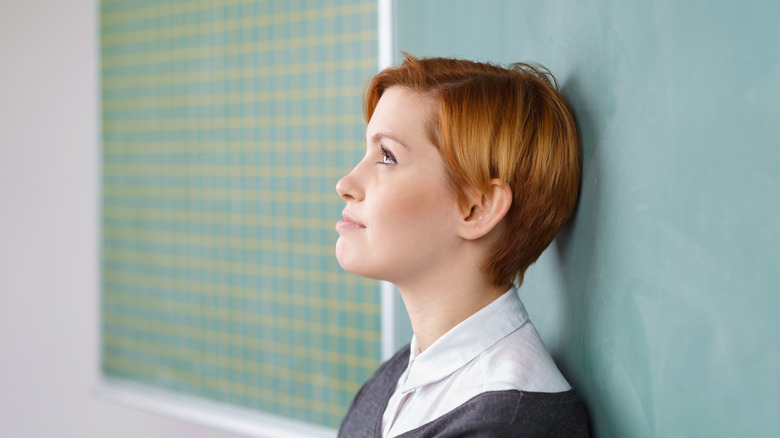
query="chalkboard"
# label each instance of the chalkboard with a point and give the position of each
(658, 299)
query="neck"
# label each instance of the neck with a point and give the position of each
(438, 306)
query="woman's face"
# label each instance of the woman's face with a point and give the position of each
(401, 215)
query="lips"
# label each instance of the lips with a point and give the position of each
(349, 223)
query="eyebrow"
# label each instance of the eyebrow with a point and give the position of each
(380, 135)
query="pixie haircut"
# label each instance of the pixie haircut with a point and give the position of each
(507, 123)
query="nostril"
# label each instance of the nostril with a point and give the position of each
(349, 187)
(342, 190)
(340, 187)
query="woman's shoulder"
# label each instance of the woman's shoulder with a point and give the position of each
(364, 417)
(521, 361)
(512, 413)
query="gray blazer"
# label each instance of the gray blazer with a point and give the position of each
(491, 414)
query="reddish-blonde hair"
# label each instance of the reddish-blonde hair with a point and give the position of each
(507, 123)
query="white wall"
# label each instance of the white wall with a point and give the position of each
(49, 217)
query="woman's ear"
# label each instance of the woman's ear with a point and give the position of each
(485, 210)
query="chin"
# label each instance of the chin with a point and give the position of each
(347, 261)
(355, 264)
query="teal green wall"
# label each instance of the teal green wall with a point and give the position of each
(657, 300)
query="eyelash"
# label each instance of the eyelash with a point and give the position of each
(387, 155)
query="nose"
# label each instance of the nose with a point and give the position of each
(348, 186)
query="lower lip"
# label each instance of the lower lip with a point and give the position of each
(348, 226)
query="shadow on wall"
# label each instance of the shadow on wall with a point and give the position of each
(603, 346)
(601, 352)
(576, 249)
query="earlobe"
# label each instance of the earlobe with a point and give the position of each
(485, 210)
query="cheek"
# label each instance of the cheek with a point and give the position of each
(411, 214)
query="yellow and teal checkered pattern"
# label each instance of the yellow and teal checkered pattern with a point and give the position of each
(226, 125)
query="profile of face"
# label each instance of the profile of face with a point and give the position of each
(401, 215)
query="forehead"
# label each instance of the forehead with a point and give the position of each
(401, 113)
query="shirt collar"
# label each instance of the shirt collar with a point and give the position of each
(465, 341)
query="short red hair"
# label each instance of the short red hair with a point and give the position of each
(507, 123)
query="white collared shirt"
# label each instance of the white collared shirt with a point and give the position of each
(495, 349)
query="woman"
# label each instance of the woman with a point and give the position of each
(470, 171)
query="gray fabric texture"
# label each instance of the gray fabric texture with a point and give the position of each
(491, 414)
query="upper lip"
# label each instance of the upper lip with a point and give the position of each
(349, 218)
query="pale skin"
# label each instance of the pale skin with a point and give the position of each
(402, 222)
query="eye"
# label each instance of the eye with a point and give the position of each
(387, 157)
